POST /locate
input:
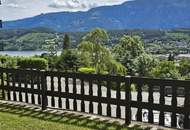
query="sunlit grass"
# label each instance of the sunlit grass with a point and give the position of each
(18, 117)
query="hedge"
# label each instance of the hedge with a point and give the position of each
(33, 63)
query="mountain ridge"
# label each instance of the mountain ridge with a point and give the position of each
(137, 14)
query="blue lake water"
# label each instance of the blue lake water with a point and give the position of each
(23, 53)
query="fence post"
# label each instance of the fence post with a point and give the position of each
(187, 108)
(128, 100)
(44, 90)
(2, 84)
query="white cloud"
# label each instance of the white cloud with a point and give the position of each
(73, 4)
(82, 4)
(12, 5)
(18, 9)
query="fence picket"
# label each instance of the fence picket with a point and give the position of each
(187, 108)
(139, 100)
(118, 97)
(74, 92)
(162, 102)
(150, 100)
(2, 85)
(99, 96)
(91, 94)
(174, 104)
(8, 85)
(59, 90)
(52, 90)
(20, 85)
(108, 97)
(67, 91)
(32, 78)
(82, 93)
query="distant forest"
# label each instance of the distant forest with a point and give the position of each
(156, 41)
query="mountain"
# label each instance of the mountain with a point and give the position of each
(136, 14)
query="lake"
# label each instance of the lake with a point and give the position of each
(22, 53)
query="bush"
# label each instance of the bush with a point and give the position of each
(166, 70)
(68, 61)
(32, 63)
(8, 62)
(87, 70)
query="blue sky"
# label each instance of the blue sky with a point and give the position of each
(18, 9)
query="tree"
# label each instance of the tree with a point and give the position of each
(52, 48)
(68, 61)
(99, 57)
(184, 67)
(97, 36)
(129, 48)
(97, 53)
(66, 42)
(166, 70)
(144, 64)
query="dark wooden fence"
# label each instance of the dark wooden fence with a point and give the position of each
(104, 95)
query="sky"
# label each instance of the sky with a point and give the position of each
(18, 9)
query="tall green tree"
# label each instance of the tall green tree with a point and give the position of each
(100, 58)
(97, 53)
(128, 49)
(144, 64)
(66, 42)
(97, 36)
(68, 61)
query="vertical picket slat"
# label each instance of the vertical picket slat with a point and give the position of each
(162, 102)
(20, 85)
(59, 90)
(2, 85)
(99, 96)
(82, 93)
(128, 101)
(8, 85)
(139, 100)
(118, 97)
(52, 90)
(150, 101)
(13, 76)
(39, 88)
(109, 97)
(44, 90)
(91, 94)
(187, 108)
(74, 92)
(174, 105)
(67, 91)
(26, 86)
(32, 86)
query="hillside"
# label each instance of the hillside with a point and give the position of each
(156, 41)
(137, 14)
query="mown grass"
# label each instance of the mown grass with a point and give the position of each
(20, 117)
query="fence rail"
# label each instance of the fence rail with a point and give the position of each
(101, 94)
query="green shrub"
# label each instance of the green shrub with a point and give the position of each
(87, 70)
(32, 63)
(68, 61)
(8, 62)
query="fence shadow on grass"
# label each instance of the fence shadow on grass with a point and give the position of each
(63, 117)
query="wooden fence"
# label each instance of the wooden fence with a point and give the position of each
(104, 95)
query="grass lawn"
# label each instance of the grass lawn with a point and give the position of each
(20, 117)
